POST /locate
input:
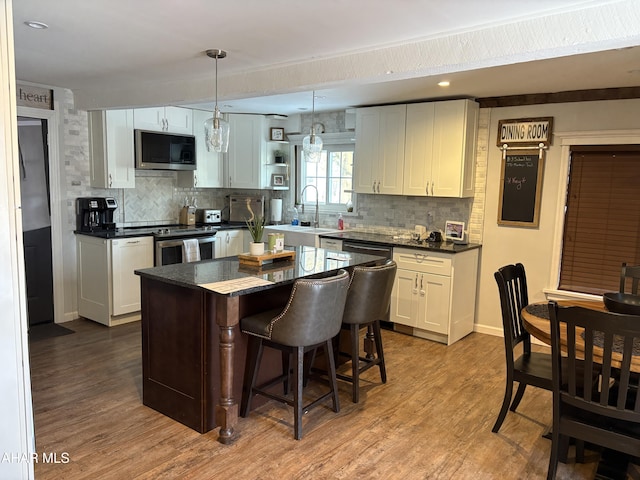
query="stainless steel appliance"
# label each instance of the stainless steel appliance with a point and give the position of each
(239, 208)
(168, 243)
(164, 151)
(94, 214)
(208, 216)
(367, 248)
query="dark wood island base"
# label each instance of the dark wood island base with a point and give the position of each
(194, 353)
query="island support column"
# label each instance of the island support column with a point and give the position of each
(226, 412)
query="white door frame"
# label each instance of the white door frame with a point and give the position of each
(56, 204)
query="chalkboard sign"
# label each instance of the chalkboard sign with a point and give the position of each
(521, 188)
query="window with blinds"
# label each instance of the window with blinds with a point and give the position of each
(602, 218)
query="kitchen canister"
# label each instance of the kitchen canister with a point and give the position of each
(275, 242)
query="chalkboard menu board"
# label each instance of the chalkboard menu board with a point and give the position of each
(520, 188)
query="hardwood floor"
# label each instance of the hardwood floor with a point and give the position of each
(432, 420)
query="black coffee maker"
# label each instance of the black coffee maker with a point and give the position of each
(95, 214)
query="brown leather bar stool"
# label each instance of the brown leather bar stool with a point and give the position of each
(367, 302)
(311, 318)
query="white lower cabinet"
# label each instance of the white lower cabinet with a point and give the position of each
(229, 243)
(434, 294)
(108, 288)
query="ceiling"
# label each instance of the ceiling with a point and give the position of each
(121, 53)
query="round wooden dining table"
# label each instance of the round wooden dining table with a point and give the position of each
(535, 319)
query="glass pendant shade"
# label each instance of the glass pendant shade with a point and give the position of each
(216, 131)
(312, 147)
(312, 143)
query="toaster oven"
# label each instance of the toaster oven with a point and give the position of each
(208, 216)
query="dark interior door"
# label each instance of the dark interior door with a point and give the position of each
(36, 218)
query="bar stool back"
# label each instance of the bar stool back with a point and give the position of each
(367, 303)
(311, 318)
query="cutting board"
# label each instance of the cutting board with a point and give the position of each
(266, 258)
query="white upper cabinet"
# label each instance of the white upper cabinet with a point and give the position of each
(421, 149)
(209, 172)
(379, 153)
(164, 119)
(440, 147)
(454, 141)
(111, 149)
(246, 155)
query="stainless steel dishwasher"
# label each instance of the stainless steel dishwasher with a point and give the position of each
(367, 248)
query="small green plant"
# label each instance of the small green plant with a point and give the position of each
(256, 227)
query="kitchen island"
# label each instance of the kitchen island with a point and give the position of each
(193, 352)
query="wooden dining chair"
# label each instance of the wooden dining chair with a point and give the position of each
(632, 272)
(530, 368)
(610, 415)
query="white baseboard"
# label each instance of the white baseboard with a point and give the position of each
(496, 332)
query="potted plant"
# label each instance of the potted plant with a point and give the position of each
(256, 228)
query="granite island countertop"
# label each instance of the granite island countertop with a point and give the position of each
(309, 262)
(397, 241)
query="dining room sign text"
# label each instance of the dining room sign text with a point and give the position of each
(525, 131)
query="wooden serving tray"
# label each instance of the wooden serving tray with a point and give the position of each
(267, 258)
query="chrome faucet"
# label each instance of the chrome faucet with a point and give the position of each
(316, 220)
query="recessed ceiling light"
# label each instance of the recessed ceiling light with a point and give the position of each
(36, 25)
(388, 72)
(444, 83)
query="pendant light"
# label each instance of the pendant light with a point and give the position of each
(312, 143)
(216, 129)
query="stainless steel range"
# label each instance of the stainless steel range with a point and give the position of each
(169, 241)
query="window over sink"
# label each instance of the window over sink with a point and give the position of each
(332, 175)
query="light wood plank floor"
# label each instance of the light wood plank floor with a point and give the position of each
(432, 420)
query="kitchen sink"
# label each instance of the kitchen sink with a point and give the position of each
(296, 235)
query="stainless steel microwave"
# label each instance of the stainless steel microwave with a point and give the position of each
(164, 151)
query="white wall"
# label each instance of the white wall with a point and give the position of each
(534, 247)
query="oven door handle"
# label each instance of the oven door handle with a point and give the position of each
(168, 243)
(207, 239)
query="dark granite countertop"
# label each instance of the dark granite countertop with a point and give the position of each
(389, 240)
(309, 262)
(128, 232)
